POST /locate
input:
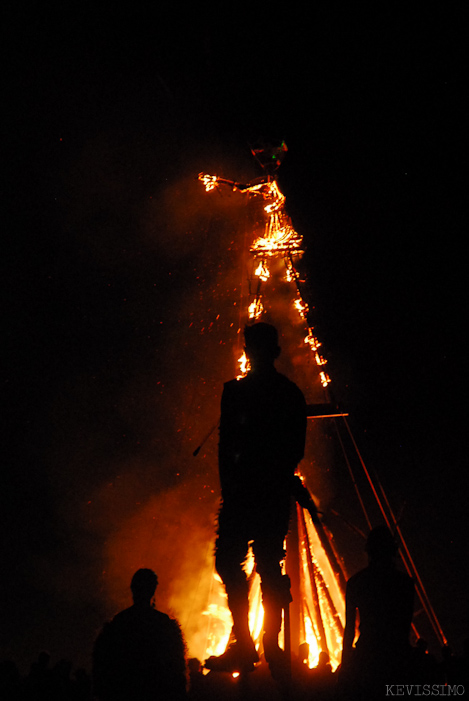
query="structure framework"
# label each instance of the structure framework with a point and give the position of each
(316, 570)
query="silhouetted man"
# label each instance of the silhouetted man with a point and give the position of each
(262, 438)
(381, 598)
(140, 654)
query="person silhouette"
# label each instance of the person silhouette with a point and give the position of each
(262, 439)
(381, 598)
(140, 654)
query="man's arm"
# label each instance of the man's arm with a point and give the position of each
(298, 426)
(227, 440)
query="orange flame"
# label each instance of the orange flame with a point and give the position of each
(262, 271)
(210, 181)
(244, 366)
(255, 309)
(302, 307)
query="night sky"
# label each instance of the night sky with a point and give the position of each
(110, 117)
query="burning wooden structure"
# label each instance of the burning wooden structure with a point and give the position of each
(317, 573)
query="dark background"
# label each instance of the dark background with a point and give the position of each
(103, 110)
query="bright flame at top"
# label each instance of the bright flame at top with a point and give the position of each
(279, 240)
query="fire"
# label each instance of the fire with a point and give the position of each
(322, 602)
(256, 610)
(312, 340)
(302, 307)
(319, 359)
(289, 275)
(219, 628)
(262, 271)
(255, 309)
(280, 239)
(244, 366)
(325, 379)
(210, 181)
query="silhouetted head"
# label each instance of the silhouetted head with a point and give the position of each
(380, 544)
(261, 344)
(143, 586)
(194, 665)
(324, 659)
(303, 652)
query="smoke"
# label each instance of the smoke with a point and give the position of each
(139, 334)
(144, 321)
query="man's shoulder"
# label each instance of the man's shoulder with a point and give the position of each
(283, 379)
(250, 380)
(392, 575)
(232, 384)
(134, 613)
(122, 616)
(290, 390)
(357, 578)
(166, 622)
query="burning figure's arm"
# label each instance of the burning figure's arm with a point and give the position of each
(227, 446)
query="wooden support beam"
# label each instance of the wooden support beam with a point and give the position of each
(323, 411)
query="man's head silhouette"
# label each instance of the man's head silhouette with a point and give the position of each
(261, 344)
(380, 544)
(143, 586)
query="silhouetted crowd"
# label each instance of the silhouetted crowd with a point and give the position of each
(140, 655)
(60, 682)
